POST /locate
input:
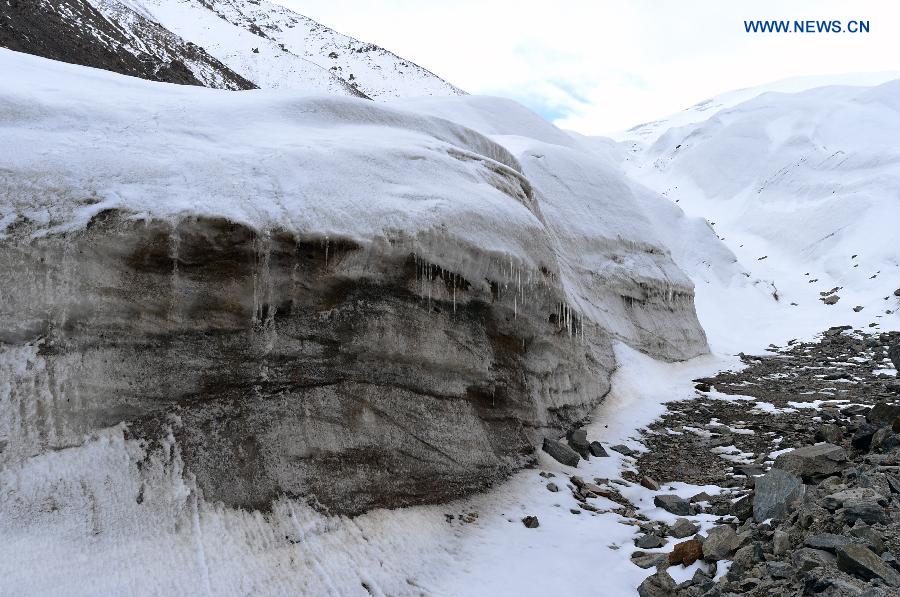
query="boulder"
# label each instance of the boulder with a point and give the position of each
(894, 355)
(869, 513)
(597, 450)
(683, 528)
(674, 504)
(775, 494)
(657, 585)
(807, 558)
(560, 452)
(686, 552)
(826, 541)
(883, 414)
(648, 560)
(577, 440)
(813, 462)
(862, 562)
(624, 450)
(862, 437)
(649, 541)
(851, 497)
(531, 522)
(781, 543)
(720, 543)
(870, 536)
(742, 508)
(830, 433)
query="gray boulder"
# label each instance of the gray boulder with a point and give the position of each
(683, 528)
(720, 542)
(577, 440)
(560, 452)
(883, 414)
(657, 585)
(775, 494)
(812, 462)
(827, 541)
(830, 433)
(649, 541)
(648, 560)
(862, 562)
(807, 558)
(894, 355)
(674, 504)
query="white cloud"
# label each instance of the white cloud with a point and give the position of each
(602, 65)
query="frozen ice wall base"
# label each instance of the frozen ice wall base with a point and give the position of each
(356, 377)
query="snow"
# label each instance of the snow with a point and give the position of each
(802, 188)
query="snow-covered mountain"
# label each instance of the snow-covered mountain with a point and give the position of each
(803, 188)
(648, 132)
(111, 35)
(226, 44)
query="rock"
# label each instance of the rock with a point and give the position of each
(703, 387)
(894, 355)
(775, 494)
(649, 541)
(742, 508)
(869, 513)
(531, 522)
(855, 410)
(780, 570)
(830, 433)
(883, 414)
(657, 585)
(552, 487)
(850, 497)
(649, 484)
(700, 497)
(871, 537)
(781, 543)
(746, 556)
(862, 562)
(560, 452)
(881, 440)
(826, 541)
(807, 558)
(862, 437)
(597, 450)
(683, 528)
(577, 440)
(720, 542)
(813, 462)
(674, 504)
(831, 299)
(857, 308)
(623, 449)
(686, 552)
(648, 560)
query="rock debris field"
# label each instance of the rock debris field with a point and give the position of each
(805, 444)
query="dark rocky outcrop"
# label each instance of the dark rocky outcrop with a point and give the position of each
(75, 31)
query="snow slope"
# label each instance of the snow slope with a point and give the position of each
(648, 132)
(277, 48)
(802, 187)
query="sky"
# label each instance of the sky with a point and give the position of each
(600, 66)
